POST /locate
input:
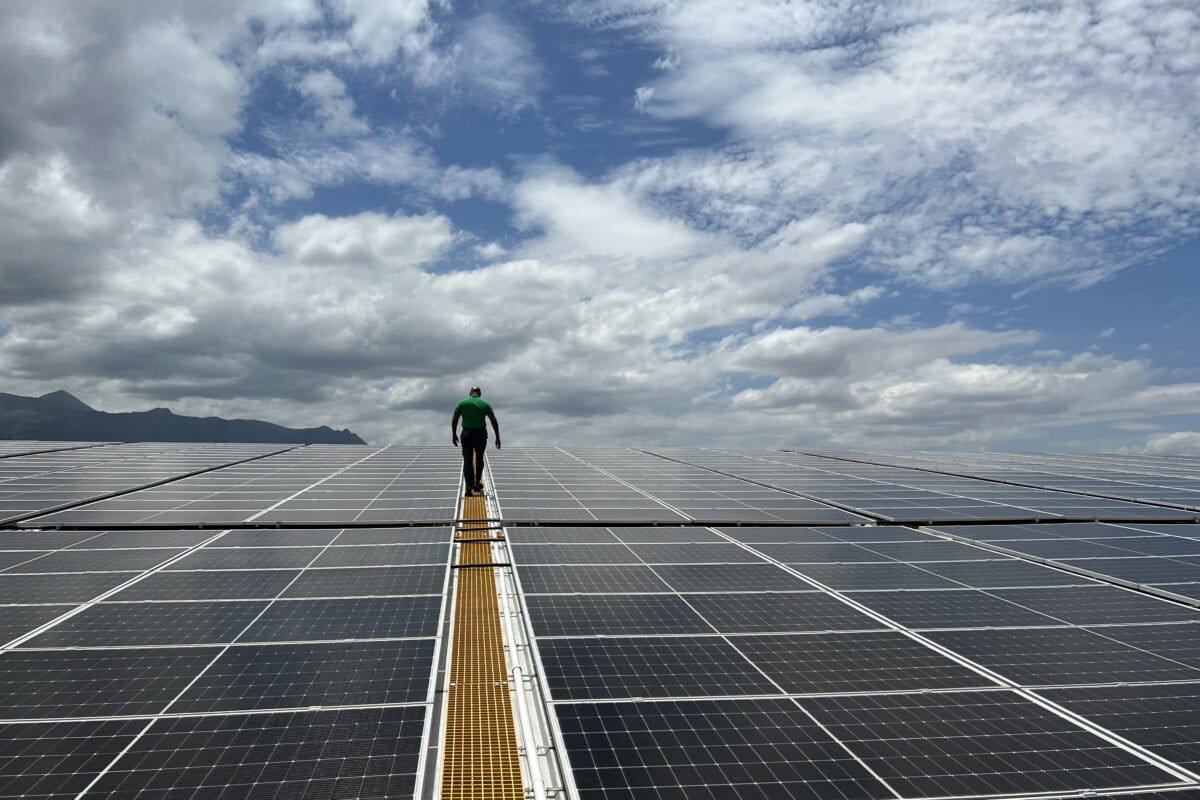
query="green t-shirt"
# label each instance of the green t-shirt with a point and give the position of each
(474, 411)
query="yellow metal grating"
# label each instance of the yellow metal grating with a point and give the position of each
(480, 759)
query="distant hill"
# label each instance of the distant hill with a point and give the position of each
(62, 416)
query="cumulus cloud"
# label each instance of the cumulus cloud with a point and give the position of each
(494, 63)
(134, 108)
(381, 30)
(335, 109)
(1176, 443)
(164, 244)
(984, 142)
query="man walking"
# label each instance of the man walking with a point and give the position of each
(474, 411)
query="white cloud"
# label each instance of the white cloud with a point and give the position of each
(368, 239)
(135, 109)
(641, 97)
(1176, 443)
(389, 159)
(335, 109)
(644, 305)
(982, 142)
(381, 29)
(494, 63)
(597, 220)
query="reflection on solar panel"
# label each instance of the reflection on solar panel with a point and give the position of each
(254, 621)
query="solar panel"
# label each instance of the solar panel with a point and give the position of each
(1061, 656)
(60, 759)
(344, 753)
(976, 743)
(779, 612)
(734, 748)
(612, 615)
(1162, 717)
(854, 662)
(127, 624)
(678, 666)
(252, 677)
(951, 608)
(806, 648)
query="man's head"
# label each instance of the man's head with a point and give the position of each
(475, 391)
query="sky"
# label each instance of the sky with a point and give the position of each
(848, 223)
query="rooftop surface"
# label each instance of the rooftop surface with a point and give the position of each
(239, 620)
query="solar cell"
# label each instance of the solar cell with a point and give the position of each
(405, 535)
(1068, 548)
(780, 612)
(694, 553)
(587, 535)
(94, 561)
(247, 558)
(951, 608)
(44, 540)
(127, 624)
(818, 553)
(600, 614)
(932, 550)
(18, 620)
(614, 553)
(1010, 572)
(351, 618)
(1141, 570)
(141, 539)
(1163, 717)
(752, 748)
(719, 578)
(10, 559)
(854, 662)
(73, 587)
(384, 555)
(253, 677)
(568, 579)
(209, 585)
(865, 534)
(1157, 546)
(1178, 642)
(1098, 604)
(977, 743)
(780, 535)
(682, 666)
(666, 534)
(1060, 656)
(45, 684)
(874, 576)
(367, 581)
(59, 759)
(346, 753)
(278, 538)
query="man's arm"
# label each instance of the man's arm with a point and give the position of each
(495, 427)
(454, 427)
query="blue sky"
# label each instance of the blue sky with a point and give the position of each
(764, 223)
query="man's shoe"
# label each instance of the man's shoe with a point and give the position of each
(479, 488)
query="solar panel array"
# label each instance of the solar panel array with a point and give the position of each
(257, 621)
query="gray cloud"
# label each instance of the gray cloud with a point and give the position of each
(947, 148)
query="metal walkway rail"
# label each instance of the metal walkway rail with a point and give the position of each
(480, 757)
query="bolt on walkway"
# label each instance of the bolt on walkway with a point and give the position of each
(480, 758)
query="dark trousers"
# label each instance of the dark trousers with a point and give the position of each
(474, 441)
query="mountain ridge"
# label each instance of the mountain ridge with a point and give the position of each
(60, 416)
